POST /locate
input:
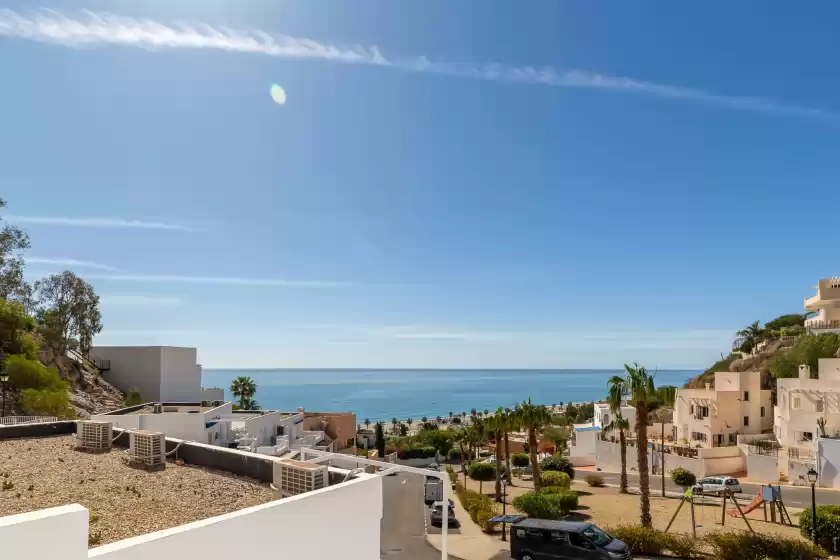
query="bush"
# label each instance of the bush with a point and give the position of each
(555, 478)
(546, 505)
(683, 477)
(133, 398)
(455, 454)
(46, 403)
(484, 453)
(553, 490)
(595, 480)
(828, 525)
(30, 374)
(555, 463)
(482, 472)
(520, 460)
(653, 542)
(429, 451)
(482, 519)
(748, 546)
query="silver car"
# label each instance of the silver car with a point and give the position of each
(717, 485)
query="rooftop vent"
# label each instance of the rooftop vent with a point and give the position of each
(157, 408)
(146, 448)
(94, 435)
(297, 477)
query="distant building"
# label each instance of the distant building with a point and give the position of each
(826, 305)
(714, 417)
(582, 448)
(340, 427)
(603, 415)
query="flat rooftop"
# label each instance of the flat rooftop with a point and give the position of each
(124, 501)
(149, 409)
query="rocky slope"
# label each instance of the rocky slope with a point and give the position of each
(89, 393)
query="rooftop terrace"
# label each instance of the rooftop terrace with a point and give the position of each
(124, 501)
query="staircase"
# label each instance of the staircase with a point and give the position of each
(89, 359)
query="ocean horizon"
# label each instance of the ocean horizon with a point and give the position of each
(382, 394)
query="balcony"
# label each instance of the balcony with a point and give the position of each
(815, 326)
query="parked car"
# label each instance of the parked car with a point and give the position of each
(436, 516)
(541, 539)
(717, 484)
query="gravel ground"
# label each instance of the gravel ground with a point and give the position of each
(124, 501)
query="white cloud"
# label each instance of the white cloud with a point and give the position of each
(129, 300)
(221, 280)
(96, 29)
(91, 222)
(70, 263)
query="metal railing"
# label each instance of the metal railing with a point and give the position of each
(98, 363)
(764, 447)
(821, 325)
(17, 420)
(801, 455)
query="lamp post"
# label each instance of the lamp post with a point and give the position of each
(812, 478)
(504, 504)
(4, 377)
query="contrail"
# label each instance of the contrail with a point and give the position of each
(100, 29)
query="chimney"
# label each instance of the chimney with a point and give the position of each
(804, 372)
(708, 386)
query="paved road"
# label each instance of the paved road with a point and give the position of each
(791, 496)
(405, 520)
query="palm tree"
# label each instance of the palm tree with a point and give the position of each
(450, 417)
(533, 418)
(615, 394)
(749, 336)
(497, 424)
(423, 420)
(639, 384)
(248, 403)
(394, 423)
(243, 388)
(511, 424)
(409, 422)
(367, 423)
(472, 412)
(438, 420)
(486, 412)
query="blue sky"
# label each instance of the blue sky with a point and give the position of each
(450, 184)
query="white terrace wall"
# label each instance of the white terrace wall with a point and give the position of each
(710, 461)
(828, 453)
(763, 468)
(294, 527)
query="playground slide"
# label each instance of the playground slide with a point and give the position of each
(757, 501)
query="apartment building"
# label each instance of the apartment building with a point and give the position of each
(715, 416)
(603, 415)
(803, 401)
(826, 305)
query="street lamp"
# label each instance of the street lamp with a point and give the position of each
(504, 504)
(4, 377)
(812, 478)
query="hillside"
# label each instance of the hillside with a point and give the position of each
(88, 392)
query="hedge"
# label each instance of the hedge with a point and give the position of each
(595, 480)
(555, 478)
(546, 505)
(520, 460)
(683, 477)
(748, 546)
(654, 542)
(828, 525)
(555, 463)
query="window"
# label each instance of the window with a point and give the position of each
(699, 436)
(692, 409)
(762, 412)
(746, 421)
(557, 536)
(795, 403)
(576, 539)
(606, 419)
(705, 412)
(733, 438)
(820, 405)
(807, 436)
(746, 396)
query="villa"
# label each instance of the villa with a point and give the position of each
(826, 305)
(603, 415)
(715, 416)
(803, 401)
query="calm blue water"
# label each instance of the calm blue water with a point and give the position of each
(384, 394)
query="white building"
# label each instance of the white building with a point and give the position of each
(802, 401)
(714, 417)
(603, 415)
(826, 305)
(160, 373)
(582, 448)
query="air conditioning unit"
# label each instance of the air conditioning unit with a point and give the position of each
(94, 435)
(218, 403)
(298, 477)
(206, 404)
(146, 448)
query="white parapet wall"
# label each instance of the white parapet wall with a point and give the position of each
(349, 513)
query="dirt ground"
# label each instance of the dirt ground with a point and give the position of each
(606, 508)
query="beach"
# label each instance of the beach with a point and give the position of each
(405, 393)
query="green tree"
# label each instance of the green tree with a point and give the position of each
(639, 385)
(481, 472)
(379, 432)
(615, 395)
(533, 418)
(46, 402)
(750, 336)
(367, 423)
(520, 460)
(496, 425)
(67, 307)
(31, 374)
(394, 423)
(16, 328)
(249, 404)
(786, 321)
(806, 350)
(243, 388)
(132, 397)
(13, 241)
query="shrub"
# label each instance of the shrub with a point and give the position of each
(30, 374)
(455, 454)
(46, 403)
(133, 398)
(520, 460)
(828, 525)
(555, 463)
(482, 519)
(555, 478)
(429, 451)
(641, 540)
(553, 490)
(683, 477)
(546, 505)
(748, 546)
(484, 453)
(595, 480)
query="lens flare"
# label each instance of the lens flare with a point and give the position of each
(278, 94)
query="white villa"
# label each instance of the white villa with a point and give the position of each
(714, 417)
(603, 416)
(802, 401)
(826, 305)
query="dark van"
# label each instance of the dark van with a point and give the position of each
(541, 539)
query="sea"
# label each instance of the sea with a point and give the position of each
(379, 394)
